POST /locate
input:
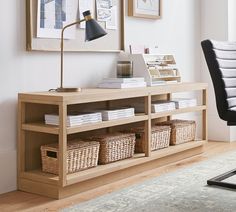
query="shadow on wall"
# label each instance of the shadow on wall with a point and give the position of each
(20, 37)
(8, 125)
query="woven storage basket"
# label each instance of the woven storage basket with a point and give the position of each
(114, 147)
(160, 138)
(182, 131)
(80, 155)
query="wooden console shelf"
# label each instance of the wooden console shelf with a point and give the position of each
(33, 133)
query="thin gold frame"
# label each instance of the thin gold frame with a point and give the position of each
(132, 11)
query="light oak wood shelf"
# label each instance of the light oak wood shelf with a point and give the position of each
(33, 133)
(178, 111)
(41, 127)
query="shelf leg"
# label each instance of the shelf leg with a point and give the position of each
(21, 139)
(62, 144)
(148, 124)
(204, 115)
(169, 97)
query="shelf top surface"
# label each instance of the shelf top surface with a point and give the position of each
(101, 94)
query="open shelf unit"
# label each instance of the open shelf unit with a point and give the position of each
(33, 133)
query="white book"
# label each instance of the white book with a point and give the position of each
(73, 120)
(184, 102)
(68, 124)
(69, 119)
(117, 113)
(128, 110)
(123, 80)
(123, 85)
(156, 83)
(107, 118)
(72, 124)
(161, 106)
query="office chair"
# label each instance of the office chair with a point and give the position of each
(221, 62)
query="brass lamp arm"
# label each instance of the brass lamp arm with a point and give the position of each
(62, 46)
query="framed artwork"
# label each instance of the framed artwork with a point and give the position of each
(145, 8)
(46, 18)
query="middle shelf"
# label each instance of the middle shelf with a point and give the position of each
(51, 129)
(41, 127)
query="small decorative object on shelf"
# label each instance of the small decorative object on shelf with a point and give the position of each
(80, 156)
(155, 68)
(137, 49)
(116, 146)
(160, 138)
(124, 69)
(182, 131)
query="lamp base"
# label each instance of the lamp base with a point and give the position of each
(68, 89)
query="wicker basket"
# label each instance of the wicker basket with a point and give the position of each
(160, 138)
(114, 147)
(182, 131)
(80, 155)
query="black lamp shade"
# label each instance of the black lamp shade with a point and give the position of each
(93, 30)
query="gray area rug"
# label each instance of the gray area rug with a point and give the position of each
(184, 190)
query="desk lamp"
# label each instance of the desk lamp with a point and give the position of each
(92, 31)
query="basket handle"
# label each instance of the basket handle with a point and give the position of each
(138, 135)
(51, 154)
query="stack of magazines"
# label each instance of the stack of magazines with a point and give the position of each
(135, 82)
(74, 120)
(117, 114)
(184, 102)
(157, 106)
(162, 105)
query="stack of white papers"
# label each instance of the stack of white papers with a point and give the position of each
(117, 114)
(135, 82)
(157, 106)
(74, 120)
(161, 106)
(184, 102)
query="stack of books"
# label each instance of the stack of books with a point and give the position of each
(117, 114)
(184, 102)
(162, 105)
(157, 106)
(74, 120)
(135, 82)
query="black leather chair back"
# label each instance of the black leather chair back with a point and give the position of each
(221, 61)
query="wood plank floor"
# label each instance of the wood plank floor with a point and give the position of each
(21, 201)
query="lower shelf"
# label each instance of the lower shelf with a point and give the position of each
(39, 176)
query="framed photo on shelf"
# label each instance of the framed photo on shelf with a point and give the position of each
(145, 8)
(45, 19)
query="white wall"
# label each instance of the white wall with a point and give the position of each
(232, 38)
(231, 20)
(214, 25)
(177, 32)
